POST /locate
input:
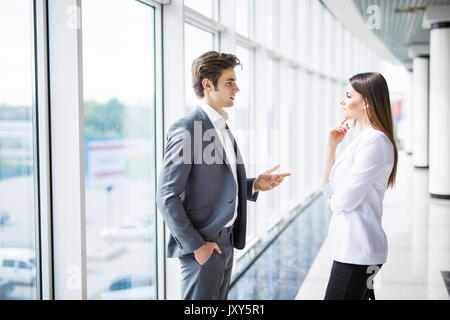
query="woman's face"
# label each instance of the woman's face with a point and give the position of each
(353, 104)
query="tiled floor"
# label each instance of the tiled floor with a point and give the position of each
(418, 231)
(281, 269)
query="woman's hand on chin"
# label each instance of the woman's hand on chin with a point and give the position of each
(337, 133)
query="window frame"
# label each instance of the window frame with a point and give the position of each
(68, 219)
(44, 256)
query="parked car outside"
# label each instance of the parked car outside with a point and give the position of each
(18, 265)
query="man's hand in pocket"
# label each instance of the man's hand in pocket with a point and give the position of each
(203, 253)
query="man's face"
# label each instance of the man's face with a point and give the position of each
(224, 94)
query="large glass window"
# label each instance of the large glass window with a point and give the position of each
(329, 105)
(294, 137)
(303, 27)
(119, 107)
(316, 117)
(270, 23)
(273, 134)
(316, 35)
(205, 7)
(303, 138)
(307, 88)
(328, 42)
(338, 65)
(17, 180)
(243, 17)
(287, 40)
(196, 42)
(241, 125)
(240, 113)
(347, 52)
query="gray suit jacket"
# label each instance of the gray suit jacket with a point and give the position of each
(197, 199)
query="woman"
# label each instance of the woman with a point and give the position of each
(355, 186)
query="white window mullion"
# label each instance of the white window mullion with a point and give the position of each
(208, 24)
(173, 44)
(246, 42)
(67, 143)
(45, 258)
(159, 151)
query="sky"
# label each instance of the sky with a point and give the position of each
(15, 52)
(115, 64)
(118, 46)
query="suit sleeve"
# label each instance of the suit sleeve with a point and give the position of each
(177, 165)
(368, 162)
(250, 194)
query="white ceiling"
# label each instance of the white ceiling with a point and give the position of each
(397, 31)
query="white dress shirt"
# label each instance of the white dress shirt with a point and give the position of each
(357, 183)
(218, 121)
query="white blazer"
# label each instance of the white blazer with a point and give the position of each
(357, 183)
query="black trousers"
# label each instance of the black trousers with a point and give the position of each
(351, 281)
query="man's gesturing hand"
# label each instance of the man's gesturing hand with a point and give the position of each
(267, 181)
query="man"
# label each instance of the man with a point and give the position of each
(203, 188)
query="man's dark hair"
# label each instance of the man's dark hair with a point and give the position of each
(210, 66)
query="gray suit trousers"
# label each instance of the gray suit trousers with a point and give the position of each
(211, 280)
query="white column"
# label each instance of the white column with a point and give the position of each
(437, 18)
(409, 116)
(419, 218)
(420, 111)
(440, 111)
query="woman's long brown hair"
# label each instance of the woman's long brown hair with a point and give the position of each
(374, 89)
